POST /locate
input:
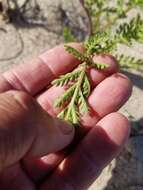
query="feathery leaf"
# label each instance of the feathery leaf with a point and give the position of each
(76, 53)
(130, 31)
(65, 96)
(129, 62)
(100, 43)
(65, 79)
(83, 107)
(86, 86)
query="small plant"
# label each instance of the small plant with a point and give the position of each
(102, 39)
(103, 14)
(73, 100)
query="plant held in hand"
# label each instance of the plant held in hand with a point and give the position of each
(73, 100)
(77, 85)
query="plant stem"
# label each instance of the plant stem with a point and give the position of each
(90, 24)
(97, 21)
(78, 86)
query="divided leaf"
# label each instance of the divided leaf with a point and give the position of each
(69, 114)
(74, 100)
(65, 79)
(130, 31)
(136, 3)
(62, 114)
(86, 86)
(76, 53)
(72, 114)
(65, 96)
(83, 107)
(100, 43)
(99, 66)
(129, 62)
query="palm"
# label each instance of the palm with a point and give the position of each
(89, 155)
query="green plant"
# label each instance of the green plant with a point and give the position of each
(73, 100)
(103, 14)
(68, 36)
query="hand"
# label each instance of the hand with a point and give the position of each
(28, 132)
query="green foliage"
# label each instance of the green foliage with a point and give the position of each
(130, 31)
(76, 53)
(107, 42)
(129, 62)
(99, 3)
(136, 3)
(86, 57)
(68, 36)
(100, 43)
(64, 79)
(105, 36)
(73, 100)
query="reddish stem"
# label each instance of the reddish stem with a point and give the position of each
(90, 26)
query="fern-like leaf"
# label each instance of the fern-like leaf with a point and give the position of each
(136, 3)
(100, 43)
(72, 114)
(83, 107)
(86, 86)
(130, 31)
(76, 53)
(62, 114)
(65, 96)
(129, 62)
(65, 79)
(68, 36)
(99, 66)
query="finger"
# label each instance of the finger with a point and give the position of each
(8, 179)
(96, 76)
(107, 97)
(98, 148)
(47, 98)
(34, 75)
(26, 129)
(4, 84)
(113, 92)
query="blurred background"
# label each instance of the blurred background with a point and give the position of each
(29, 27)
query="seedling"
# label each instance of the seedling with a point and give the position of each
(73, 102)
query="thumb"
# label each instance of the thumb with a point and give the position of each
(26, 129)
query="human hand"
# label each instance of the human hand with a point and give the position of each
(28, 132)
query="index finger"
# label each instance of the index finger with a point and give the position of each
(34, 75)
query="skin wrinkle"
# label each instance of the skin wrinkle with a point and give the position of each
(60, 58)
(20, 83)
(39, 67)
(51, 70)
(15, 81)
(46, 106)
(4, 84)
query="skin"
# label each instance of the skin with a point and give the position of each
(30, 134)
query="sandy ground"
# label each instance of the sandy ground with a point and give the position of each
(20, 41)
